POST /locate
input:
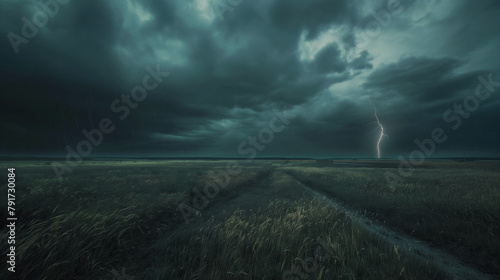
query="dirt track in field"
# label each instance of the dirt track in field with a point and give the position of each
(448, 263)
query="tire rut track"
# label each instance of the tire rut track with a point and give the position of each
(448, 263)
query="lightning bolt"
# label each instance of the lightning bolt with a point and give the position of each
(381, 132)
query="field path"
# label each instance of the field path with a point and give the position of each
(448, 263)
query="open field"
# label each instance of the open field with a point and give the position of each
(265, 223)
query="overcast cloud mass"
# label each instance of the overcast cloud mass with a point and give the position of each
(233, 62)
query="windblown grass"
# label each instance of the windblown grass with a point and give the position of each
(449, 205)
(107, 216)
(96, 220)
(266, 243)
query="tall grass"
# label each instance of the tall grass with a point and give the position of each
(264, 244)
(112, 216)
(102, 217)
(98, 219)
(451, 206)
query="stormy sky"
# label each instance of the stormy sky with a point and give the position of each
(324, 66)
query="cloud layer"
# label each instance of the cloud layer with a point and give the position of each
(232, 63)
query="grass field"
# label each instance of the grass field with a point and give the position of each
(112, 215)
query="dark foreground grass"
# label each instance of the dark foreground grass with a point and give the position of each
(109, 216)
(450, 205)
(98, 219)
(281, 241)
(102, 217)
(77, 227)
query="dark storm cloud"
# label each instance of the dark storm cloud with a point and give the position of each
(328, 60)
(362, 62)
(61, 79)
(227, 75)
(419, 79)
(312, 16)
(426, 88)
